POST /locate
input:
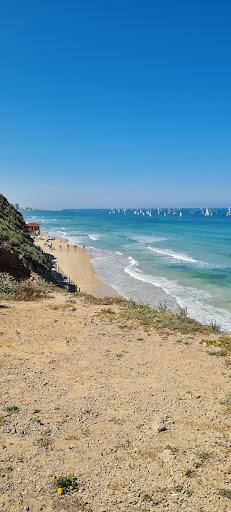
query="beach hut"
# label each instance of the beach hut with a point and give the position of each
(33, 228)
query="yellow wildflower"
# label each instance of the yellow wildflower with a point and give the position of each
(59, 490)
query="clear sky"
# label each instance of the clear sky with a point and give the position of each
(115, 103)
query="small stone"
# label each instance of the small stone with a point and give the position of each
(162, 428)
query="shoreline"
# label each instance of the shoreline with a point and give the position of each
(140, 286)
(75, 262)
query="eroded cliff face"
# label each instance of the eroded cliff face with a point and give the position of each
(18, 254)
(10, 262)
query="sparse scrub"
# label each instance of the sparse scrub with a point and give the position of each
(197, 464)
(11, 289)
(178, 488)
(65, 483)
(8, 469)
(12, 408)
(162, 306)
(63, 306)
(227, 401)
(204, 456)
(172, 449)
(215, 326)
(146, 497)
(220, 353)
(44, 441)
(101, 301)
(7, 285)
(225, 493)
(189, 473)
(4, 471)
(161, 320)
(29, 290)
(223, 342)
(2, 420)
(107, 311)
(36, 420)
(183, 312)
(119, 355)
(188, 493)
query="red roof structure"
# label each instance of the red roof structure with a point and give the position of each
(33, 228)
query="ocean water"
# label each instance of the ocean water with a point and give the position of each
(181, 261)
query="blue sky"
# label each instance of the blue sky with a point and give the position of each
(115, 103)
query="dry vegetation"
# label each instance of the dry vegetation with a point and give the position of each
(160, 319)
(25, 289)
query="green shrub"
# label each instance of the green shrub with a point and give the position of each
(7, 285)
(65, 483)
(17, 244)
(23, 290)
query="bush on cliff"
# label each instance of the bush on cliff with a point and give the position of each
(19, 256)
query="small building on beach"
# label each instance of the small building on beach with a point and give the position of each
(33, 228)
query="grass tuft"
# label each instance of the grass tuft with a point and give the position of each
(65, 483)
(189, 473)
(225, 493)
(227, 401)
(215, 326)
(146, 497)
(12, 408)
(101, 301)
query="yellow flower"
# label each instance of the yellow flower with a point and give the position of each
(59, 490)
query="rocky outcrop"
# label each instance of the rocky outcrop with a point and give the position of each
(18, 254)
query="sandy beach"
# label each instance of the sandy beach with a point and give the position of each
(75, 262)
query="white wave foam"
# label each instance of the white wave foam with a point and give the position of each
(148, 239)
(170, 287)
(94, 236)
(58, 233)
(119, 253)
(175, 255)
(74, 240)
(35, 219)
(195, 300)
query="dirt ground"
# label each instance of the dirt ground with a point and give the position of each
(141, 418)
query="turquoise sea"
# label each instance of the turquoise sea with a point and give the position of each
(183, 260)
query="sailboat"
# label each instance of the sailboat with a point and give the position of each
(228, 214)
